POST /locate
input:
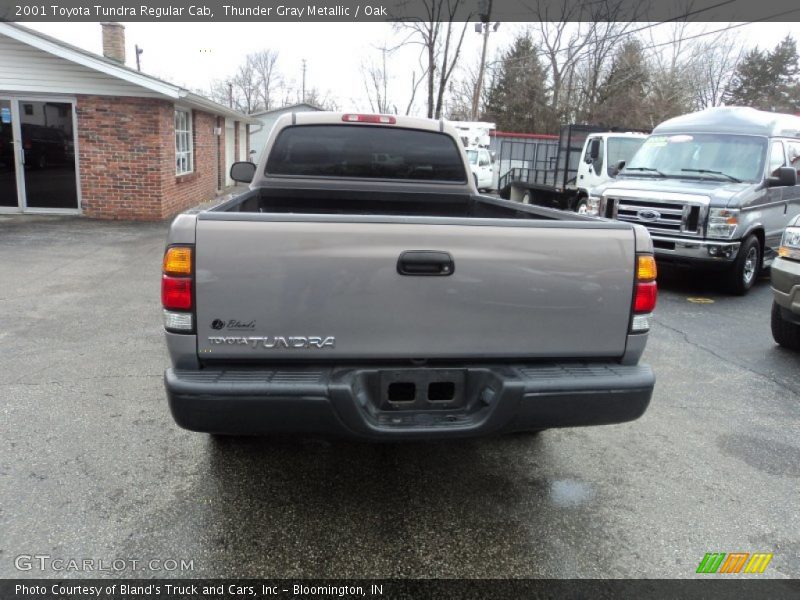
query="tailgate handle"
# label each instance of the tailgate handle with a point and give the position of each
(425, 262)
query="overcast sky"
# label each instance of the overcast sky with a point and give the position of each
(194, 54)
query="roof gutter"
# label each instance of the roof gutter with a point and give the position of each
(31, 39)
(204, 104)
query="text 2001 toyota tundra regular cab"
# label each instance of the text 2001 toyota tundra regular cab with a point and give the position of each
(362, 288)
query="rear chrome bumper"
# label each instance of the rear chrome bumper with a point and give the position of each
(675, 248)
(354, 401)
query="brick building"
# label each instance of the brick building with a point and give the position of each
(82, 133)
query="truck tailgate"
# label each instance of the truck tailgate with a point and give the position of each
(330, 290)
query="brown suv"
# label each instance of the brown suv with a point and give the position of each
(786, 288)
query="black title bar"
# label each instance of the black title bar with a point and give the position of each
(393, 10)
(466, 589)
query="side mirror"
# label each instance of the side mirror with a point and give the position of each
(243, 171)
(787, 176)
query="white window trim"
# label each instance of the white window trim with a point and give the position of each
(185, 147)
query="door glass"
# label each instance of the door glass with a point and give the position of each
(793, 154)
(776, 159)
(49, 146)
(8, 179)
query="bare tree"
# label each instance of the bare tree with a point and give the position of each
(440, 43)
(318, 98)
(269, 79)
(221, 91)
(715, 73)
(562, 44)
(578, 40)
(376, 83)
(245, 88)
(673, 72)
(461, 95)
(414, 84)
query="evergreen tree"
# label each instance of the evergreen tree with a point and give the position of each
(622, 96)
(518, 99)
(768, 80)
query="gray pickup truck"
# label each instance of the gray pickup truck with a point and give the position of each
(362, 288)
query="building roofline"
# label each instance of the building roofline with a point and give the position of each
(109, 67)
(287, 107)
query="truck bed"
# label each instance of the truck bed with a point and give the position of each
(350, 201)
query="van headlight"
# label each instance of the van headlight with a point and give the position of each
(722, 222)
(790, 244)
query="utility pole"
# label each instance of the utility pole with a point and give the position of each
(304, 80)
(139, 52)
(486, 15)
(230, 95)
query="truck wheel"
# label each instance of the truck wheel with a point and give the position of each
(746, 267)
(582, 206)
(784, 332)
(526, 198)
(475, 177)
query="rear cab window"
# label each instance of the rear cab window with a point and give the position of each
(367, 152)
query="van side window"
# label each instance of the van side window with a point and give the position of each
(793, 154)
(776, 158)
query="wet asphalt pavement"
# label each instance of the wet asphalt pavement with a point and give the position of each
(93, 467)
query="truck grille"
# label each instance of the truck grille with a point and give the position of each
(681, 217)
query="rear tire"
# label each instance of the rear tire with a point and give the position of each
(746, 267)
(582, 206)
(784, 332)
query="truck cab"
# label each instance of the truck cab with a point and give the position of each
(480, 163)
(560, 173)
(601, 155)
(715, 189)
(476, 138)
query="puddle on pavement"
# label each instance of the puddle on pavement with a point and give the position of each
(566, 493)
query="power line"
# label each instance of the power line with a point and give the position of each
(541, 53)
(728, 28)
(648, 26)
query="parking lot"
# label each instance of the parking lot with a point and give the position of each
(93, 467)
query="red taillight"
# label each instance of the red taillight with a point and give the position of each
(382, 119)
(176, 292)
(645, 300)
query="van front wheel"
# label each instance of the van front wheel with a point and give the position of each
(746, 267)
